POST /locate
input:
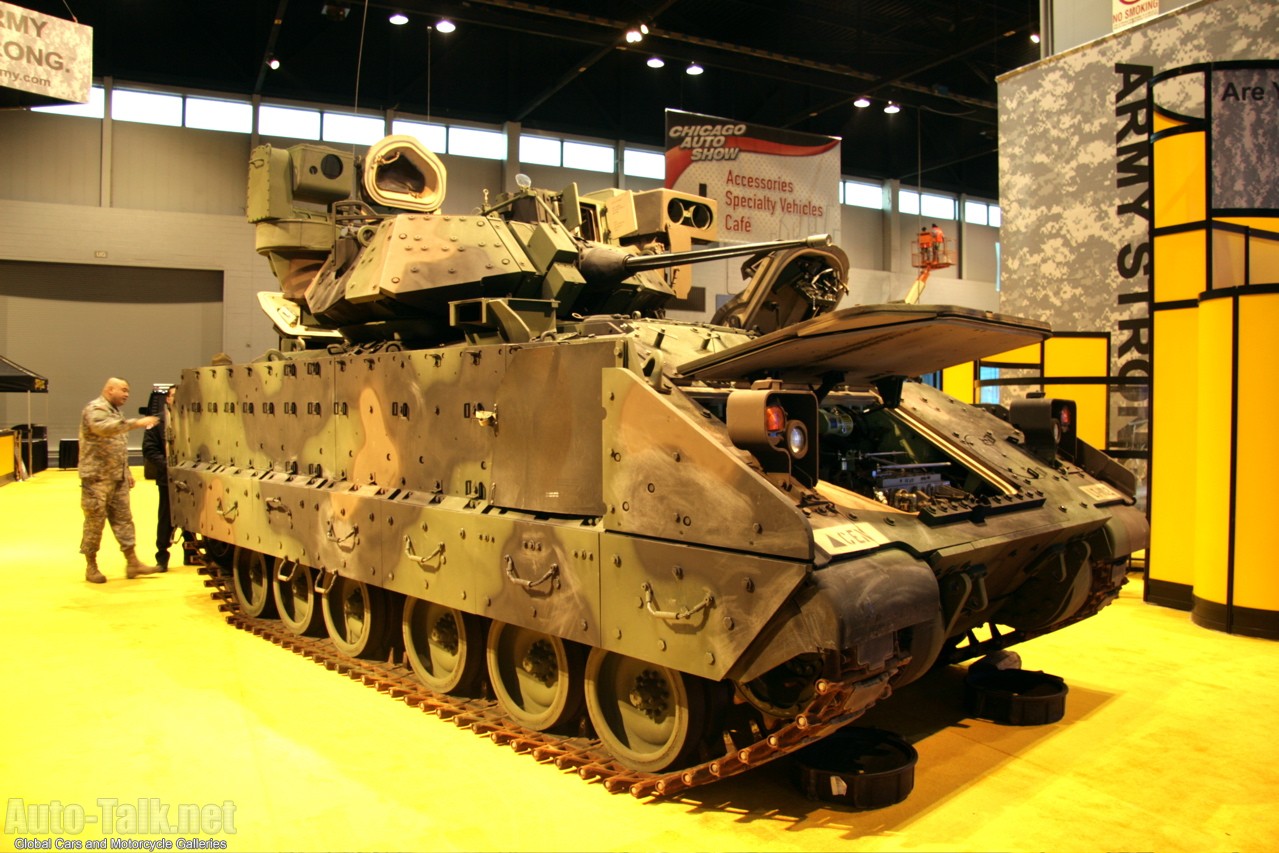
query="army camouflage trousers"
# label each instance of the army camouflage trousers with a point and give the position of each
(103, 501)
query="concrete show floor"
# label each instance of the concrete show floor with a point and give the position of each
(138, 690)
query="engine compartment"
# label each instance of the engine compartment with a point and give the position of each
(874, 451)
(882, 454)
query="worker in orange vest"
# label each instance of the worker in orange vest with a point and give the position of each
(939, 244)
(925, 240)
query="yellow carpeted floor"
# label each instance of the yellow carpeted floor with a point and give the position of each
(137, 690)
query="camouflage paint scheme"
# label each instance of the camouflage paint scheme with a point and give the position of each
(486, 441)
(442, 473)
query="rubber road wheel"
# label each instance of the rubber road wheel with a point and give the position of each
(362, 620)
(445, 646)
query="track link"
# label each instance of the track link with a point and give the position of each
(835, 704)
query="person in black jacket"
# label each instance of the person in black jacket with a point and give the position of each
(156, 444)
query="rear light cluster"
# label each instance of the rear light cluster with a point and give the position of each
(778, 427)
(786, 431)
(1048, 424)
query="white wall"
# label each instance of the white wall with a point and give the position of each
(88, 191)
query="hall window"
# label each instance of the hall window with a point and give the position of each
(474, 142)
(146, 107)
(216, 114)
(540, 150)
(862, 194)
(94, 108)
(589, 156)
(288, 122)
(644, 164)
(354, 129)
(434, 136)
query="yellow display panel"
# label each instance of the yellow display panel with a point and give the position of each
(1029, 354)
(1180, 179)
(1181, 264)
(1211, 451)
(1173, 445)
(1269, 224)
(1256, 581)
(1263, 260)
(1163, 121)
(1253, 258)
(1230, 261)
(957, 381)
(1081, 357)
(7, 471)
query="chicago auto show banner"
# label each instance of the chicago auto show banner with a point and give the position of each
(769, 184)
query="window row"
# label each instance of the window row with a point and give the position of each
(928, 205)
(300, 123)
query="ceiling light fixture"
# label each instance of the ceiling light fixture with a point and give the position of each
(635, 35)
(445, 25)
(656, 62)
(399, 19)
(694, 69)
(862, 103)
(892, 108)
(335, 11)
(1034, 37)
(273, 63)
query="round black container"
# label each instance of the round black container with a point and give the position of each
(859, 768)
(1016, 697)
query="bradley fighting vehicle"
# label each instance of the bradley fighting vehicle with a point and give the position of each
(482, 452)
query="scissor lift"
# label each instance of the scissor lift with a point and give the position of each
(935, 257)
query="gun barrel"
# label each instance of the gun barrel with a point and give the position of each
(636, 263)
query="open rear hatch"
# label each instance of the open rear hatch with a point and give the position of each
(870, 343)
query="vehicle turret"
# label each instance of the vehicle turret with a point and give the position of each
(388, 265)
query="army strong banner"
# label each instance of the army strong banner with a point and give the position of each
(43, 59)
(769, 184)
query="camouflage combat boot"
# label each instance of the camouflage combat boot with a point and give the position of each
(133, 567)
(91, 573)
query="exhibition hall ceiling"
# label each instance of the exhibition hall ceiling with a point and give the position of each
(566, 66)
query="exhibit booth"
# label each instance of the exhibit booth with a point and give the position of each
(1138, 187)
(24, 449)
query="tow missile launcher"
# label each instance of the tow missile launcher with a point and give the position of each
(484, 451)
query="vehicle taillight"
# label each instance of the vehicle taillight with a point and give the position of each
(774, 421)
(778, 425)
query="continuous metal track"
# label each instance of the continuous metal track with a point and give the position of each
(834, 705)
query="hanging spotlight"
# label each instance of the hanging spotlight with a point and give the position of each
(892, 108)
(656, 62)
(273, 63)
(694, 69)
(862, 103)
(1034, 37)
(634, 36)
(399, 19)
(445, 25)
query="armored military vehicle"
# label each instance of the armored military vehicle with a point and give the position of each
(483, 452)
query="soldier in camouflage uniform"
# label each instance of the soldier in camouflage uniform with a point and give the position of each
(105, 478)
